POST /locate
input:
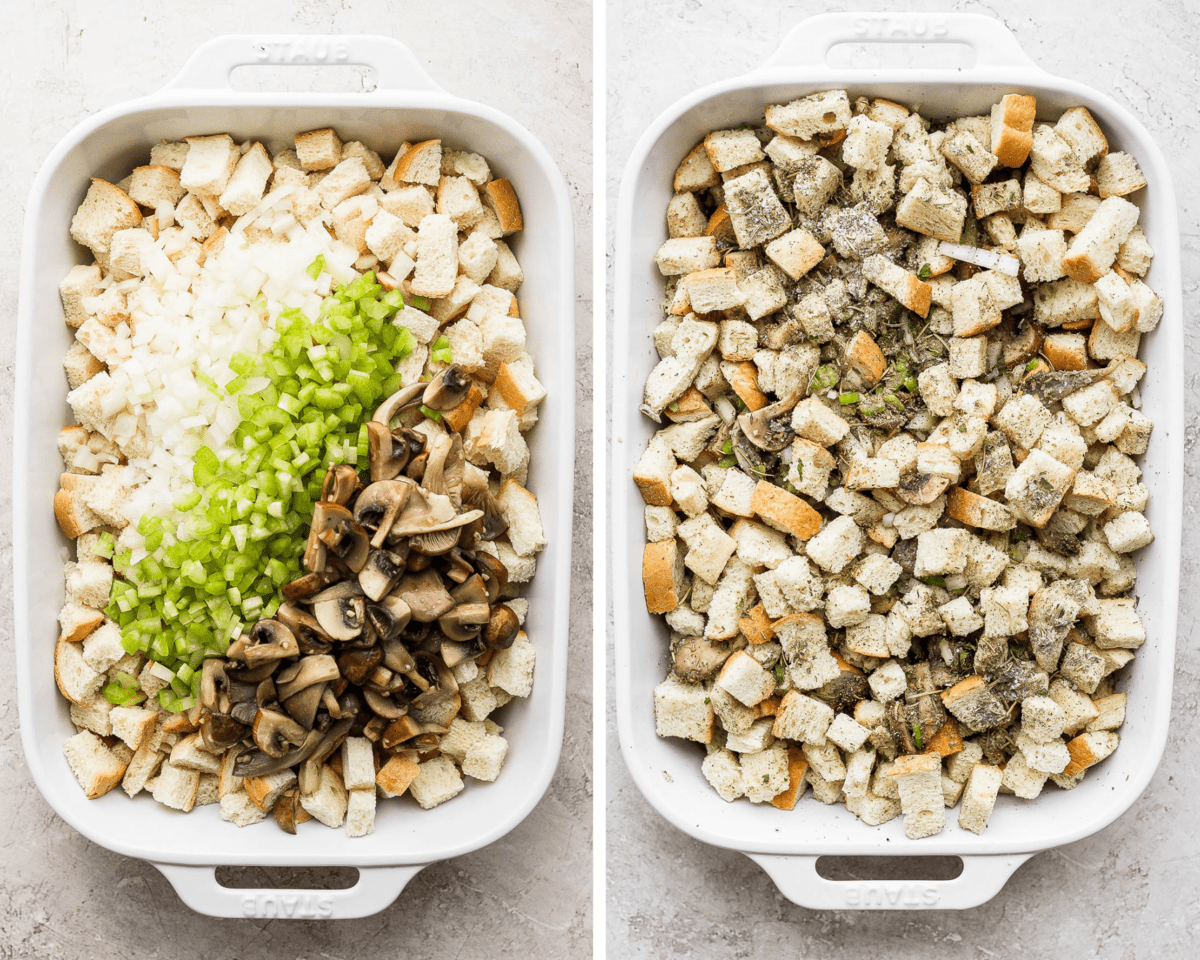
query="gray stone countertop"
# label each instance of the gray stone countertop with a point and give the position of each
(529, 894)
(1128, 892)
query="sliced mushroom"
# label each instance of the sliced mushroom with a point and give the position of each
(308, 632)
(770, 427)
(477, 496)
(378, 506)
(319, 668)
(341, 483)
(302, 707)
(920, 489)
(502, 627)
(442, 682)
(388, 617)
(214, 686)
(754, 461)
(348, 540)
(342, 618)
(465, 621)
(404, 397)
(219, 733)
(260, 763)
(447, 390)
(303, 587)
(380, 573)
(356, 665)
(287, 810)
(390, 452)
(455, 652)
(425, 595)
(471, 590)
(494, 573)
(273, 730)
(384, 706)
(269, 640)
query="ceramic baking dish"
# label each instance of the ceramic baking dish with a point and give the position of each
(407, 105)
(787, 845)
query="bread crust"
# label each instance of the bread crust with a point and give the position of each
(658, 576)
(797, 768)
(743, 377)
(504, 201)
(1013, 136)
(780, 508)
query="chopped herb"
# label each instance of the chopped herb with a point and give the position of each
(766, 778)
(788, 486)
(674, 407)
(779, 673)
(727, 462)
(933, 581)
(846, 399)
(708, 699)
(925, 272)
(727, 447)
(917, 738)
(740, 403)
(1032, 365)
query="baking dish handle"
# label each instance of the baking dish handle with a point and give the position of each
(810, 41)
(377, 889)
(981, 879)
(395, 65)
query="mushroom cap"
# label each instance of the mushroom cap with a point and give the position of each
(425, 595)
(447, 390)
(304, 673)
(340, 485)
(502, 627)
(269, 640)
(342, 618)
(380, 573)
(770, 427)
(272, 731)
(404, 397)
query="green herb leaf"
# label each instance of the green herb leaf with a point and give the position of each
(917, 738)
(673, 407)
(779, 673)
(925, 272)
(727, 447)
(846, 399)
(933, 581)
(727, 462)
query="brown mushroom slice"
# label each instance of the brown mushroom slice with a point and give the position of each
(349, 541)
(302, 707)
(396, 657)
(389, 452)
(465, 621)
(442, 685)
(920, 489)
(404, 397)
(243, 702)
(269, 640)
(447, 390)
(455, 652)
(458, 566)
(383, 706)
(380, 573)
(219, 733)
(477, 496)
(388, 617)
(494, 574)
(308, 632)
(356, 665)
(303, 587)
(214, 686)
(425, 595)
(342, 618)
(502, 627)
(340, 485)
(272, 731)
(378, 506)
(287, 810)
(770, 427)
(471, 590)
(319, 668)
(259, 763)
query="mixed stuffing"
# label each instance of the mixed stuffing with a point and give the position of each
(892, 510)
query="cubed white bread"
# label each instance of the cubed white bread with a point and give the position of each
(176, 787)
(934, 211)
(81, 282)
(485, 757)
(352, 218)
(730, 599)
(105, 210)
(1112, 713)
(155, 185)
(360, 813)
(1010, 127)
(1135, 254)
(1022, 779)
(979, 797)
(745, 679)
(318, 149)
(189, 754)
(95, 714)
(802, 719)
(144, 764)
(102, 647)
(437, 781)
(395, 776)
(1094, 249)
(684, 710)
(899, 283)
(191, 215)
(968, 357)
(329, 801)
(685, 218)
(237, 808)
(805, 118)
(437, 257)
(754, 209)
(683, 255)
(358, 764)
(248, 182)
(695, 172)
(77, 621)
(76, 680)
(1118, 174)
(519, 508)
(1088, 749)
(765, 773)
(512, 669)
(814, 421)
(210, 164)
(847, 733)
(919, 781)
(134, 725)
(266, 791)
(458, 199)
(836, 545)
(723, 772)
(727, 149)
(1079, 128)
(1055, 163)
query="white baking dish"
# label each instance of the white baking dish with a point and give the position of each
(406, 105)
(787, 845)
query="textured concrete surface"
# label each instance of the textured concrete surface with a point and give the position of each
(1128, 892)
(528, 895)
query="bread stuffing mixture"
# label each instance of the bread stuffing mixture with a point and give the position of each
(893, 507)
(296, 483)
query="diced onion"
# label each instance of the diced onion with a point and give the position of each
(988, 259)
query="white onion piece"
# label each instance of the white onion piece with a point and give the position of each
(988, 259)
